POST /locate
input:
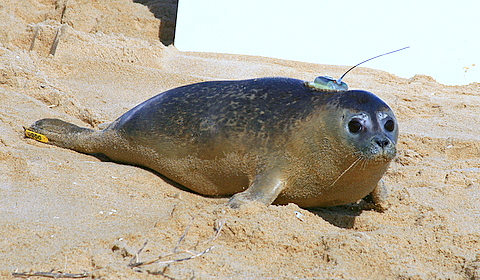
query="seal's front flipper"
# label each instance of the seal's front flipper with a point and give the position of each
(265, 189)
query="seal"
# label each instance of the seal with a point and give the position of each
(271, 140)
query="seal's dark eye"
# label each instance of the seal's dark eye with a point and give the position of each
(354, 126)
(389, 125)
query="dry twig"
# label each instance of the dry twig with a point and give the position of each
(52, 274)
(35, 34)
(191, 254)
(58, 35)
(64, 9)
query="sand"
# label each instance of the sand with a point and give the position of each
(74, 213)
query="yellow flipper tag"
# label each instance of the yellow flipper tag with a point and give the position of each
(36, 136)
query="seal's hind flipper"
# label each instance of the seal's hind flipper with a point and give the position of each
(62, 134)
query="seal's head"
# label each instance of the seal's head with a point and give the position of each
(367, 123)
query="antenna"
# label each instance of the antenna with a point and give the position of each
(326, 83)
(340, 80)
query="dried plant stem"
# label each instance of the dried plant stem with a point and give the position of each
(192, 255)
(52, 274)
(58, 35)
(64, 9)
(35, 34)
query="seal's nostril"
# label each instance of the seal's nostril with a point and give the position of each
(382, 142)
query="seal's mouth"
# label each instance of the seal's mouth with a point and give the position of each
(380, 149)
(384, 155)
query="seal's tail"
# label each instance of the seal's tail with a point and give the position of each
(65, 135)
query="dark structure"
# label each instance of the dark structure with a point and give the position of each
(166, 11)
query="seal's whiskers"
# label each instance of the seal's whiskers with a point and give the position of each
(345, 171)
(363, 163)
